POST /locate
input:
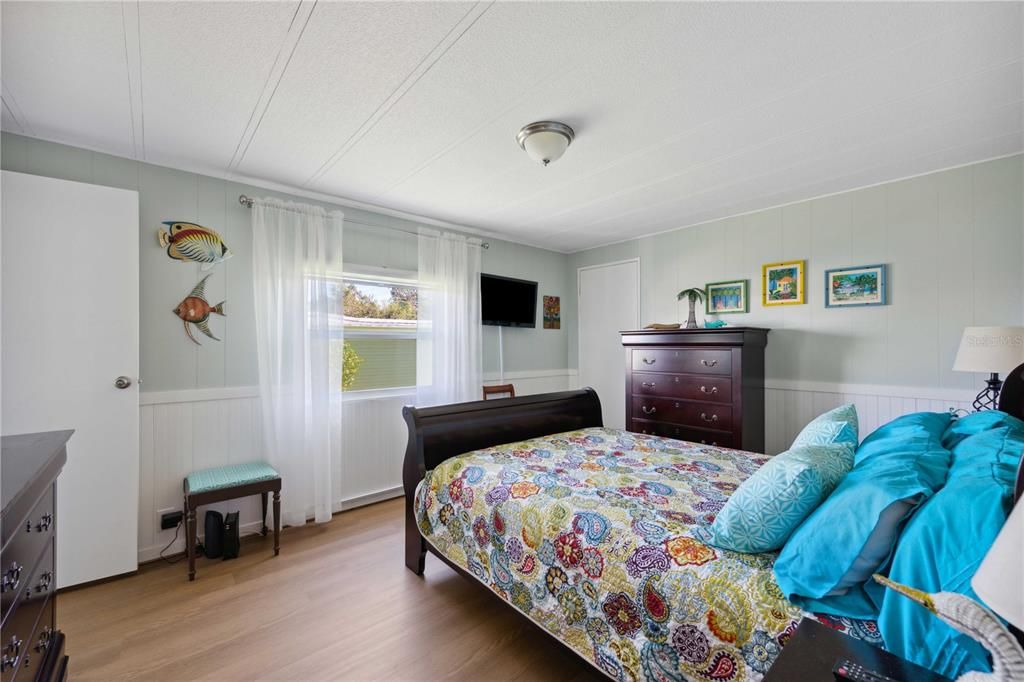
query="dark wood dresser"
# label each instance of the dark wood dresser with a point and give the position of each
(700, 385)
(31, 647)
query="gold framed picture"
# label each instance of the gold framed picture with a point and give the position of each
(783, 283)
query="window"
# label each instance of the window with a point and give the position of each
(379, 319)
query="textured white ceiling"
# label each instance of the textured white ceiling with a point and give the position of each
(684, 112)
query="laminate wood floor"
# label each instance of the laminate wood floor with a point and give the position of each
(337, 604)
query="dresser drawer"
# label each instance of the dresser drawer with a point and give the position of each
(683, 412)
(685, 360)
(40, 583)
(687, 386)
(20, 650)
(703, 436)
(27, 543)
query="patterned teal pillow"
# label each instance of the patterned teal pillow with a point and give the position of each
(835, 426)
(766, 509)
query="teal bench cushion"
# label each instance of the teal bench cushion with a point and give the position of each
(229, 476)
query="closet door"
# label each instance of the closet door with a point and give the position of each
(609, 302)
(70, 330)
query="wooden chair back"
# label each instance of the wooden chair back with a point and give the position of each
(500, 391)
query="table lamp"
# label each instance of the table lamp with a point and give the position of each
(992, 350)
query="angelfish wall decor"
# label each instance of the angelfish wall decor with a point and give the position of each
(191, 242)
(195, 310)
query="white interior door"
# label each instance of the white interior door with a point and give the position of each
(70, 328)
(609, 302)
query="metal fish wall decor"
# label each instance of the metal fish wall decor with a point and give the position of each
(196, 311)
(191, 242)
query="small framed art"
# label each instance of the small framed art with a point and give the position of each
(726, 297)
(859, 286)
(783, 283)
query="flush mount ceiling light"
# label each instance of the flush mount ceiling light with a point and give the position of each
(545, 141)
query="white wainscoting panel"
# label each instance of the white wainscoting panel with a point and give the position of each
(789, 406)
(182, 431)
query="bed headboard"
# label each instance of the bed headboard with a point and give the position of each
(1011, 401)
(439, 433)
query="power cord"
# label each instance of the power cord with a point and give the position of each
(173, 540)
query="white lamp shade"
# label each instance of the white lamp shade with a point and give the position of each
(999, 580)
(990, 349)
(545, 147)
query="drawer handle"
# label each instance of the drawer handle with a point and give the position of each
(709, 363)
(713, 443)
(44, 581)
(705, 417)
(12, 578)
(44, 640)
(709, 391)
(649, 361)
(45, 521)
(647, 384)
(648, 410)
(7, 662)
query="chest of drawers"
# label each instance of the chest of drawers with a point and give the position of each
(700, 385)
(31, 647)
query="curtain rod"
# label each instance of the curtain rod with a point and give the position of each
(249, 201)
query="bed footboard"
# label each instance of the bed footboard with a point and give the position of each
(438, 433)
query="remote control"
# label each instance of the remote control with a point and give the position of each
(854, 672)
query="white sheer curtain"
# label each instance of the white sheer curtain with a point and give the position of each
(293, 246)
(449, 368)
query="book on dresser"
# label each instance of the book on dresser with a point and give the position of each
(699, 385)
(31, 646)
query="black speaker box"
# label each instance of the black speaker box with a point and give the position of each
(213, 544)
(231, 536)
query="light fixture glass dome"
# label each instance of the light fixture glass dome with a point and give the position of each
(545, 141)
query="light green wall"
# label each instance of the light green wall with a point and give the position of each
(953, 241)
(169, 360)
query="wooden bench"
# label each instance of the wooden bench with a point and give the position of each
(228, 483)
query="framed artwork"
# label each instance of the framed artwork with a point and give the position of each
(552, 312)
(726, 297)
(859, 286)
(783, 283)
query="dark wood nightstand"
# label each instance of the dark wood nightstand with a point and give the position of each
(814, 649)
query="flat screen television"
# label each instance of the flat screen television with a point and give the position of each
(508, 302)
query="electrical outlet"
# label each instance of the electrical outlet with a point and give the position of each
(170, 518)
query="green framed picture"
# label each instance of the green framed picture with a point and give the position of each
(726, 297)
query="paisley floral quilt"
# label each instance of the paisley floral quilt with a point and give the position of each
(594, 535)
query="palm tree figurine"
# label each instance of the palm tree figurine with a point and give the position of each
(694, 295)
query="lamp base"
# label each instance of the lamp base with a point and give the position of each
(988, 398)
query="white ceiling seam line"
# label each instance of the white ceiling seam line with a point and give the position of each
(133, 74)
(805, 162)
(850, 115)
(10, 111)
(775, 207)
(408, 83)
(292, 38)
(795, 89)
(142, 90)
(562, 72)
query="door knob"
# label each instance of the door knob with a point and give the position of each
(122, 382)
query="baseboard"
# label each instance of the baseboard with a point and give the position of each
(152, 553)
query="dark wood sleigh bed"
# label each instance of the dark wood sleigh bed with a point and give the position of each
(437, 434)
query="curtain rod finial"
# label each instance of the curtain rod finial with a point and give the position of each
(245, 201)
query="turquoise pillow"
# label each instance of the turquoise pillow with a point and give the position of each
(943, 545)
(826, 562)
(835, 426)
(765, 510)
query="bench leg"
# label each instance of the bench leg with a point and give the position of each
(277, 522)
(190, 539)
(263, 498)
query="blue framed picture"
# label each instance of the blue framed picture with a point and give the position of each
(859, 286)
